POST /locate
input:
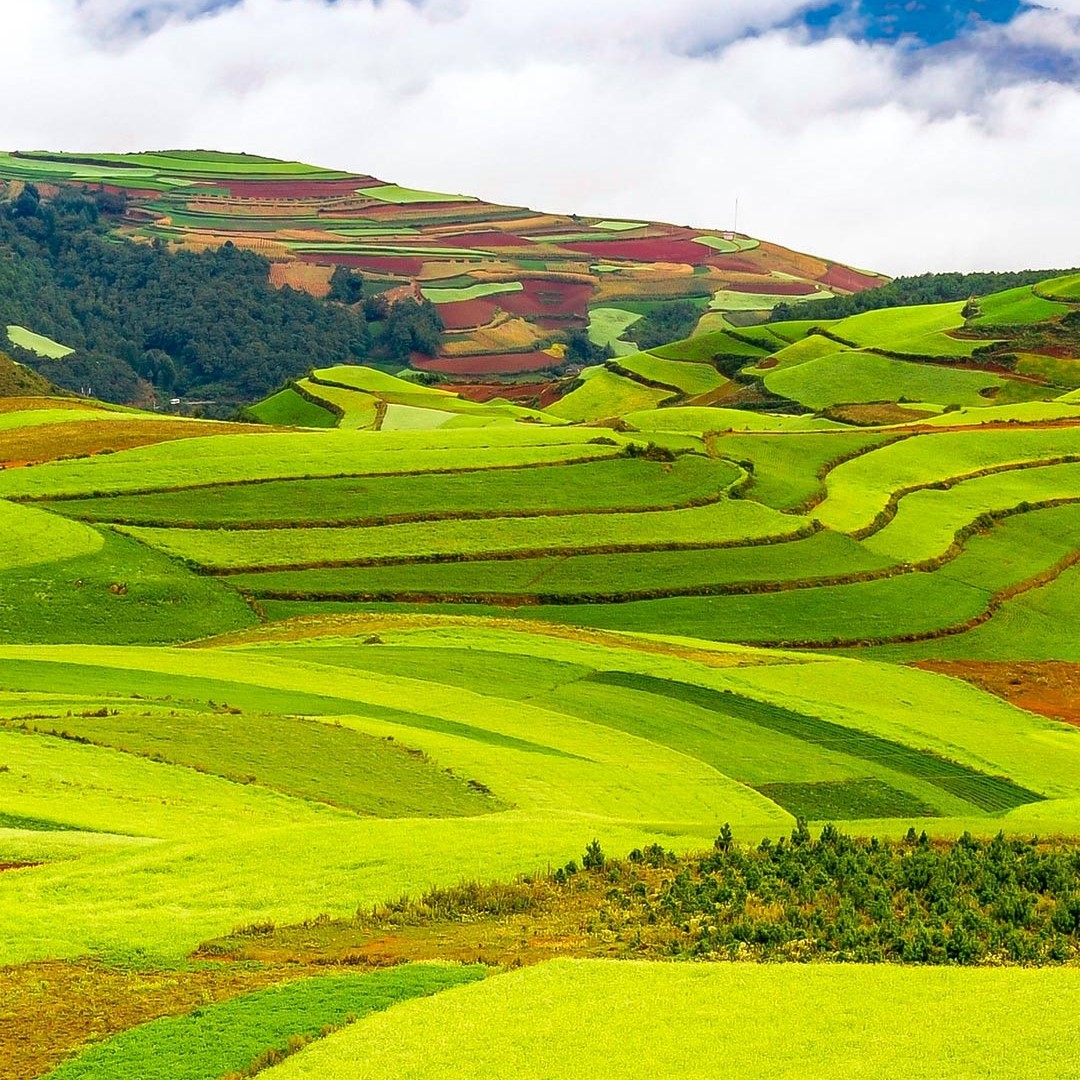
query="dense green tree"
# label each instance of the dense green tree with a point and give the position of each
(207, 323)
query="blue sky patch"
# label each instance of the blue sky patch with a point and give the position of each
(923, 21)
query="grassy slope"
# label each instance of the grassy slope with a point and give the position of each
(257, 854)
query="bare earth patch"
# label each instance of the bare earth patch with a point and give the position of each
(1050, 688)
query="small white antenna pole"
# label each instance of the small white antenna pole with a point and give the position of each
(736, 228)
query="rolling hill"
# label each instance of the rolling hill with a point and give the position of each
(512, 288)
(337, 736)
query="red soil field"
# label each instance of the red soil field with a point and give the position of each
(840, 277)
(660, 250)
(550, 298)
(139, 194)
(775, 288)
(733, 264)
(467, 314)
(494, 364)
(399, 267)
(1050, 688)
(296, 189)
(511, 392)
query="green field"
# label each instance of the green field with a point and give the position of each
(688, 378)
(289, 409)
(846, 377)
(235, 1035)
(600, 485)
(37, 343)
(682, 1019)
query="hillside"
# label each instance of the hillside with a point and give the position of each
(760, 644)
(519, 295)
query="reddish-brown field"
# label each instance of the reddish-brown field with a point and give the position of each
(378, 264)
(673, 250)
(467, 314)
(735, 264)
(1048, 687)
(494, 364)
(848, 280)
(540, 297)
(535, 395)
(773, 287)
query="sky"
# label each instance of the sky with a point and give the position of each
(895, 135)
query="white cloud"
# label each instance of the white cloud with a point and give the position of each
(612, 107)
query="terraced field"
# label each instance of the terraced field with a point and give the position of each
(299, 717)
(505, 279)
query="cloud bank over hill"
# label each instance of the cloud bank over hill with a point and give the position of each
(900, 146)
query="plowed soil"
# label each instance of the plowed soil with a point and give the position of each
(1050, 688)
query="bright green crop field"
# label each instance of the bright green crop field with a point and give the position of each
(682, 1020)
(305, 728)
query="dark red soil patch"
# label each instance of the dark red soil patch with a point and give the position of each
(843, 277)
(495, 364)
(467, 314)
(133, 194)
(1050, 687)
(17, 865)
(295, 189)
(775, 288)
(525, 393)
(540, 297)
(1057, 352)
(735, 264)
(647, 251)
(397, 267)
(874, 415)
(768, 362)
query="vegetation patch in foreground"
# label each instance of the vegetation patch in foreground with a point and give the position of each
(835, 898)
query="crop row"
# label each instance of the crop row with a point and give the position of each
(988, 793)
(600, 486)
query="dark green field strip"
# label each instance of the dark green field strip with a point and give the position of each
(123, 594)
(30, 824)
(846, 800)
(195, 694)
(306, 759)
(604, 486)
(738, 748)
(579, 578)
(989, 793)
(233, 1037)
(789, 470)
(515, 676)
